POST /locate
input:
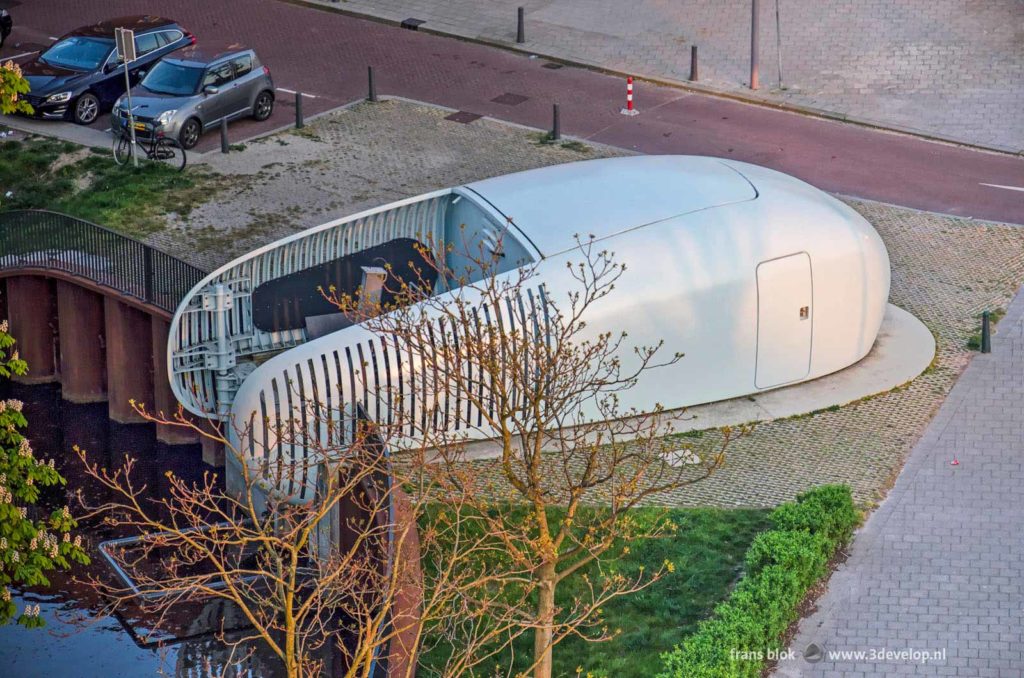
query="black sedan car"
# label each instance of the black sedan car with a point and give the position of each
(80, 75)
(6, 24)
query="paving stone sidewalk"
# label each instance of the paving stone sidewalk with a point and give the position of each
(939, 565)
(942, 67)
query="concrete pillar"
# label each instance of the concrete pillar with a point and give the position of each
(129, 360)
(213, 450)
(30, 309)
(163, 399)
(80, 329)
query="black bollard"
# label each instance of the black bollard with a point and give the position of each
(986, 333)
(224, 135)
(372, 92)
(299, 122)
(556, 125)
(520, 25)
(693, 63)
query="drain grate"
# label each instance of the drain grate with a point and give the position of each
(463, 117)
(413, 24)
(552, 66)
(510, 99)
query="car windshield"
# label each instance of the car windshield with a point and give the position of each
(78, 53)
(170, 78)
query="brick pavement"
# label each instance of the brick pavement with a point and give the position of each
(939, 564)
(943, 67)
(326, 54)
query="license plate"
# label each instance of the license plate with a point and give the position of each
(140, 126)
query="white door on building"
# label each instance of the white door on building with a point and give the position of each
(784, 320)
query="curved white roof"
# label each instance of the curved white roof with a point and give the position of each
(608, 196)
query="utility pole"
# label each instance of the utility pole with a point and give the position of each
(754, 79)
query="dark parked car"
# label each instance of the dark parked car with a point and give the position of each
(80, 75)
(191, 91)
(6, 24)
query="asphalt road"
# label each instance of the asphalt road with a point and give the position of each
(326, 54)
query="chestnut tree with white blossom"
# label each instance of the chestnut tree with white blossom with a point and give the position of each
(31, 543)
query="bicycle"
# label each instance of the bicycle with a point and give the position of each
(157, 148)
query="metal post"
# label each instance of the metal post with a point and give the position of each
(372, 92)
(986, 333)
(520, 25)
(693, 63)
(778, 41)
(754, 79)
(147, 273)
(556, 124)
(224, 135)
(131, 114)
(299, 122)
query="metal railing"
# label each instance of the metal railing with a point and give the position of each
(37, 239)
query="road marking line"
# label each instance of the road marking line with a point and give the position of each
(1008, 188)
(23, 54)
(291, 91)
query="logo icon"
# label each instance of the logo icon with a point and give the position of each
(814, 653)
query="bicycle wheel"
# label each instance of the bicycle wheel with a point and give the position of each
(169, 153)
(122, 149)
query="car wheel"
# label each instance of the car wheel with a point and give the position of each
(264, 106)
(189, 135)
(87, 109)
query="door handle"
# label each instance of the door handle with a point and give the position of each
(805, 312)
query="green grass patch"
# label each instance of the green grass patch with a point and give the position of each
(42, 173)
(707, 551)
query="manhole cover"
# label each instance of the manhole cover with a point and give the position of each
(463, 117)
(413, 24)
(510, 99)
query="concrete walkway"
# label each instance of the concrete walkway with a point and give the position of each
(945, 68)
(938, 568)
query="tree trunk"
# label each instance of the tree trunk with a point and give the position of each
(544, 632)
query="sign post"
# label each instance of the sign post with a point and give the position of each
(125, 41)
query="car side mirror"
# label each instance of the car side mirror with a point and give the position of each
(211, 89)
(142, 73)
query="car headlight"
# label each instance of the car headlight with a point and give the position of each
(59, 98)
(165, 117)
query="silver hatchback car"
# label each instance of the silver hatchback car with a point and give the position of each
(188, 93)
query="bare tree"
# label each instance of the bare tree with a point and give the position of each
(299, 575)
(499, 357)
(359, 572)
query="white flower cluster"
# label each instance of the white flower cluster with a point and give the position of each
(31, 610)
(24, 449)
(5, 595)
(15, 405)
(50, 543)
(5, 495)
(3, 325)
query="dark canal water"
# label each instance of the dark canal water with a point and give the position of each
(77, 642)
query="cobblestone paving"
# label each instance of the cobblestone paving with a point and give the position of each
(945, 67)
(938, 567)
(345, 162)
